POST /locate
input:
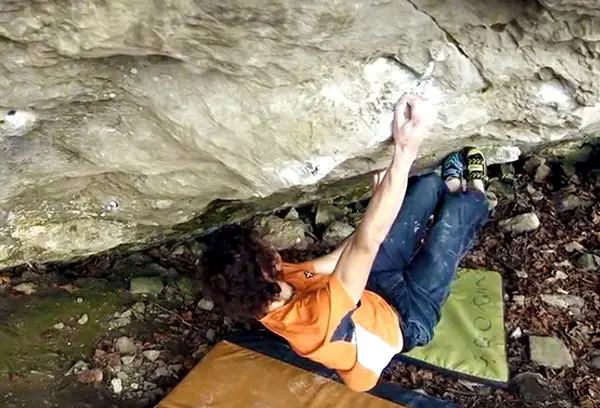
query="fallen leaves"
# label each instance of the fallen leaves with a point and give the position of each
(4, 280)
(90, 376)
(69, 288)
(25, 288)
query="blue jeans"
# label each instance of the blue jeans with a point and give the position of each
(416, 265)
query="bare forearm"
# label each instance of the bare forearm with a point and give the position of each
(357, 258)
(326, 264)
(386, 201)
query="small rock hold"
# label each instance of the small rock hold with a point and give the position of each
(59, 326)
(549, 352)
(83, 319)
(117, 385)
(585, 261)
(134, 386)
(520, 224)
(27, 288)
(206, 304)
(151, 355)
(125, 345)
(535, 194)
(133, 71)
(146, 286)
(126, 360)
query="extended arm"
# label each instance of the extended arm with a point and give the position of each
(356, 260)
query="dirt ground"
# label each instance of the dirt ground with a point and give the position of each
(170, 332)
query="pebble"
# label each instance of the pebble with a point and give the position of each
(571, 302)
(337, 232)
(179, 250)
(139, 308)
(123, 376)
(519, 300)
(517, 334)
(78, 367)
(210, 335)
(574, 246)
(133, 71)
(126, 314)
(585, 261)
(117, 385)
(146, 286)
(26, 287)
(79, 300)
(535, 194)
(542, 173)
(126, 360)
(151, 355)
(520, 224)
(119, 322)
(571, 202)
(160, 372)
(327, 213)
(550, 352)
(530, 387)
(595, 362)
(134, 386)
(197, 248)
(83, 319)
(125, 345)
(533, 163)
(206, 304)
(292, 215)
(59, 326)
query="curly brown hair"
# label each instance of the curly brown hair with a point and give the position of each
(240, 272)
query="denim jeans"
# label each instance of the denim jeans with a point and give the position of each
(416, 264)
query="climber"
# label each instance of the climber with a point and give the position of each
(380, 293)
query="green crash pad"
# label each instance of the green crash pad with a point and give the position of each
(469, 340)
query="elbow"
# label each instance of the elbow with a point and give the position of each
(368, 245)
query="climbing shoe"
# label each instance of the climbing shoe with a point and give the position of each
(453, 167)
(476, 165)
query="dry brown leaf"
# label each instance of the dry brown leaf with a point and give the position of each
(4, 279)
(68, 288)
(90, 376)
(187, 316)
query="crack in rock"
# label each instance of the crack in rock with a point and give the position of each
(455, 42)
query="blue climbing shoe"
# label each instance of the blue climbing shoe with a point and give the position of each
(453, 167)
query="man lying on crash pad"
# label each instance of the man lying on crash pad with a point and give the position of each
(380, 293)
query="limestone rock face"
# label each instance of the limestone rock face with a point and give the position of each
(121, 119)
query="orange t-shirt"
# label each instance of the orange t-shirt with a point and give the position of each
(323, 323)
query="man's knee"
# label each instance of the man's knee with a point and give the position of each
(429, 182)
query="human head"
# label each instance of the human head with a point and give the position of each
(240, 272)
